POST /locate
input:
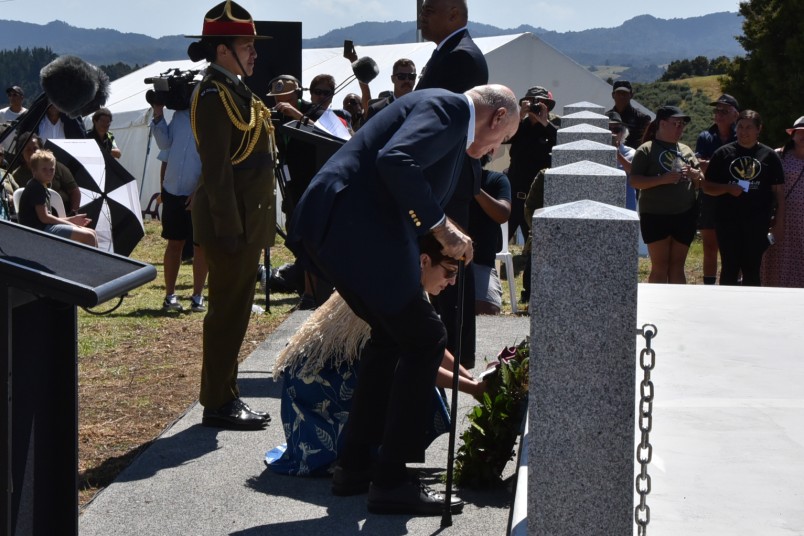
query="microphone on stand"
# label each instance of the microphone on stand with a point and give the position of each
(69, 83)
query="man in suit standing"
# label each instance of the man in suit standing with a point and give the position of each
(358, 226)
(233, 208)
(457, 65)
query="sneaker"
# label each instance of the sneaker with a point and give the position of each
(171, 303)
(197, 304)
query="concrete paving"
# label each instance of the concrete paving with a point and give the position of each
(728, 423)
(728, 438)
(204, 482)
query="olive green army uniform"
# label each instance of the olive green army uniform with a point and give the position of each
(234, 217)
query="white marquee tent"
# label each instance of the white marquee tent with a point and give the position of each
(518, 61)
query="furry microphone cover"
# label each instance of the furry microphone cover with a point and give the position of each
(74, 86)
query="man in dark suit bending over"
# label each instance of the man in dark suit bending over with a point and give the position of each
(358, 225)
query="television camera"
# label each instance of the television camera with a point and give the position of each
(172, 88)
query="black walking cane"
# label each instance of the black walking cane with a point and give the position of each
(446, 518)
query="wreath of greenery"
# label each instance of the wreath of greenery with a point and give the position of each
(488, 443)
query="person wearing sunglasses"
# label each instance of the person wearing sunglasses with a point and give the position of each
(668, 176)
(725, 109)
(403, 77)
(322, 89)
(320, 365)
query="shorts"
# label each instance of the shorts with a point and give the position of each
(59, 229)
(681, 227)
(487, 284)
(177, 221)
(706, 217)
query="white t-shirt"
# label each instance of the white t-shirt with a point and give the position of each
(7, 116)
(48, 130)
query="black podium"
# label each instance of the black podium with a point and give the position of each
(43, 279)
(307, 149)
(320, 144)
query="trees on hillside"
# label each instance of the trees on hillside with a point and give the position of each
(20, 67)
(699, 66)
(770, 77)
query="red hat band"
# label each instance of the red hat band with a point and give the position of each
(234, 28)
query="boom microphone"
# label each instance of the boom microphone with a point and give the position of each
(74, 86)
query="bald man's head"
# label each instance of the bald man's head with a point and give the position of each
(496, 118)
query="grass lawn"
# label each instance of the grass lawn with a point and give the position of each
(139, 367)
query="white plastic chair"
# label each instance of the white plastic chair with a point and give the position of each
(56, 202)
(505, 256)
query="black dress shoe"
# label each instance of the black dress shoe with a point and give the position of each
(411, 498)
(263, 414)
(233, 416)
(347, 482)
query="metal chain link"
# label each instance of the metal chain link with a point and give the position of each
(644, 451)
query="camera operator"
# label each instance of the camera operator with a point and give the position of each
(531, 149)
(530, 152)
(182, 170)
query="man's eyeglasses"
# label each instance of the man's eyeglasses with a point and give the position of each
(351, 102)
(450, 272)
(405, 76)
(721, 111)
(322, 92)
(616, 130)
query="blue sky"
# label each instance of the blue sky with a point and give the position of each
(170, 17)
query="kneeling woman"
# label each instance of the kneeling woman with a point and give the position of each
(667, 176)
(319, 367)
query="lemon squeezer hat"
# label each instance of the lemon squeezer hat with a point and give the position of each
(228, 19)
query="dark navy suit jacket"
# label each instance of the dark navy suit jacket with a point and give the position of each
(457, 66)
(365, 209)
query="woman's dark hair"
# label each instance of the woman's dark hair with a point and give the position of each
(207, 48)
(752, 116)
(327, 79)
(101, 112)
(789, 146)
(29, 136)
(432, 248)
(650, 131)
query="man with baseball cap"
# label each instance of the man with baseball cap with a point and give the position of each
(726, 109)
(12, 111)
(636, 121)
(233, 209)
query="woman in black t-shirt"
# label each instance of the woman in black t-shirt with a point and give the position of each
(746, 177)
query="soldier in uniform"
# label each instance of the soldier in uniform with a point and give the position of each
(234, 205)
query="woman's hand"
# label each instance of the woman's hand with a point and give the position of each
(80, 220)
